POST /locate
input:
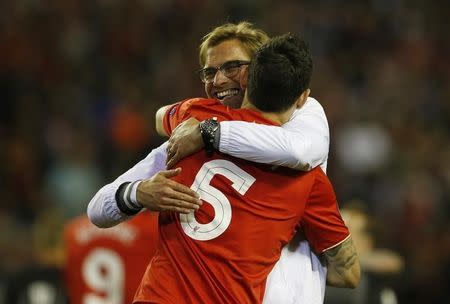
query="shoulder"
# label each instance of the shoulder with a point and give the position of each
(321, 182)
(311, 105)
(194, 106)
(202, 108)
(186, 104)
(312, 114)
(320, 176)
(198, 101)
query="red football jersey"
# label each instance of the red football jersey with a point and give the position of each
(223, 252)
(106, 265)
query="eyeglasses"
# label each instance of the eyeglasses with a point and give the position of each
(228, 69)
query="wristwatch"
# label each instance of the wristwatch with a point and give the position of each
(210, 131)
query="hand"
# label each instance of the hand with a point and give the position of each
(184, 141)
(160, 193)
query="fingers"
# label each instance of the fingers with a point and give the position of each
(189, 197)
(172, 160)
(170, 173)
(182, 198)
(182, 190)
(184, 141)
(170, 150)
(181, 210)
(172, 155)
(172, 200)
(177, 191)
(176, 205)
(160, 193)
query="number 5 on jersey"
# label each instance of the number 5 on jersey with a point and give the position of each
(241, 182)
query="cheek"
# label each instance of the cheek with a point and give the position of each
(243, 77)
(238, 80)
(208, 88)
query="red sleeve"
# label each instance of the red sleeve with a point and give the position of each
(175, 114)
(322, 223)
(199, 108)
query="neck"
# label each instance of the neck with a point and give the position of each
(279, 118)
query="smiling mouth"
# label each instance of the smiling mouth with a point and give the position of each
(227, 93)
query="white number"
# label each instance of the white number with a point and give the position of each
(222, 207)
(103, 271)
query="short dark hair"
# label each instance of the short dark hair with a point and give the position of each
(280, 71)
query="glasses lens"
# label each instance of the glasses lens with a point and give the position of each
(207, 75)
(231, 68)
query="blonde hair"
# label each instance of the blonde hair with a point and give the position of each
(252, 38)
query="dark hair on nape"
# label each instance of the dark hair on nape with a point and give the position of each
(280, 71)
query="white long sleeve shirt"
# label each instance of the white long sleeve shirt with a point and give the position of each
(302, 143)
(102, 209)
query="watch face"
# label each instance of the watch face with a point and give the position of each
(208, 130)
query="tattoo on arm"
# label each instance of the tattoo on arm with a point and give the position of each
(344, 254)
(343, 265)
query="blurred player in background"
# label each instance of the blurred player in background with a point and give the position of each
(379, 267)
(106, 265)
(42, 281)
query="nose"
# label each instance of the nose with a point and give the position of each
(219, 78)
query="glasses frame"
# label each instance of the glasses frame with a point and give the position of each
(222, 68)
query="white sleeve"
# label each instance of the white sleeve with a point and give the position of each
(302, 143)
(297, 277)
(102, 209)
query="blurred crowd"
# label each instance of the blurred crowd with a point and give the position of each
(80, 82)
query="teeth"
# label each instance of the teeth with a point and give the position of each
(226, 93)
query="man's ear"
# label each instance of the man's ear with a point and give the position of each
(243, 79)
(302, 99)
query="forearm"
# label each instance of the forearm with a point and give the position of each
(272, 145)
(103, 210)
(343, 268)
(301, 144)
